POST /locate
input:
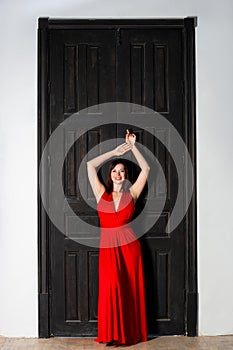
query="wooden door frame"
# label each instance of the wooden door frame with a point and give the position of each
(188, 29)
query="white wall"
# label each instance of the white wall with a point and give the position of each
(18, 218)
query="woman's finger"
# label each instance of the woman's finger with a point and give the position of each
(127, 145)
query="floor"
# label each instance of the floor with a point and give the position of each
(161, 343)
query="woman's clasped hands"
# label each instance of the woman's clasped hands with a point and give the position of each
(127, 146)
(130, 138)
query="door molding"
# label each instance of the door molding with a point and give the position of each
(190, 138)
(188, 29)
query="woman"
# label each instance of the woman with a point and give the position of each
(121, 303)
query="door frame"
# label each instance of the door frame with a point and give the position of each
(187, 25)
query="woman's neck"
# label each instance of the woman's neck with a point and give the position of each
(117, 188)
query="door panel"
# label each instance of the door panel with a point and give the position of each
(82, 74)
(153, 76)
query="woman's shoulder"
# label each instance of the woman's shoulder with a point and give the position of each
(128, 197)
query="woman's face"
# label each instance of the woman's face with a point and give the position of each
(118, 174)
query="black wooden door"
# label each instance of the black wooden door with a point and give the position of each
(90, 66)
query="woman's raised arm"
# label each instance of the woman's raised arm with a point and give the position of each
(139, 184)
(92, 165)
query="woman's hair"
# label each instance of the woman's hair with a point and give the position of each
(109, 184)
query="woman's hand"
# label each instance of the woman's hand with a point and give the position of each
(130, 138)
(120, 150)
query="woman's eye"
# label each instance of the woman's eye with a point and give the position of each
(114, 171)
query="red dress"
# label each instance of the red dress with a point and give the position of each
(121, 303)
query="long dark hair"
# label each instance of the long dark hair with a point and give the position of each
(109, 184)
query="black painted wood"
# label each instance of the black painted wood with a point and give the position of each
(152, 75)
(160, 67)
(43, 222)
(82, 74)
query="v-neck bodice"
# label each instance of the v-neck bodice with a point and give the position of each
(109, 216)
(117, 201)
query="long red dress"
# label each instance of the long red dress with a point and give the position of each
(121, 303)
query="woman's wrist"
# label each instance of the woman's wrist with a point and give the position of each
(133, 147)
(113, 153)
